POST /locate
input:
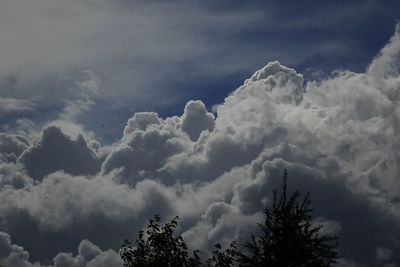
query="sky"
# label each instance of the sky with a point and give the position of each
(114, 111)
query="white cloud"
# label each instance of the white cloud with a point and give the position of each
(338, 137)
(196, 119)
(148, 142)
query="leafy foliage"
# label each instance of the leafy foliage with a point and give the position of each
(224, 258)
(161, 248)
(288, 236)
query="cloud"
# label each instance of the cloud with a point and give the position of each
(149, 142)
(125, 50)
(246, 122)
(11, 146)
(337, 137)
(196, 119)
(197, 47)
(11, 254)
(89, 255)
(12, 176)
(56, 151)
(62, 210)
(14, 105)
(386, 64)
(140, 121)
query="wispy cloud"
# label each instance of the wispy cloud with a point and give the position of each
(14, 105)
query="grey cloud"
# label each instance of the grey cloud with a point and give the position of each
(386, 64)
(66, 209)
(15, 105)
(11, 254)
(205, 233)
(126, 49)
(108, 258)
(88, 250)
(186, 41)
(65, 260)
(11, 146)
(336, 136)
(86, 89)
(89, 255)
(9, 82)
(341, 130)
(140, 121)
(55, 151)
(196, 119)
(11, 175)
(248, 120)
(5, 244)
(216, 210)
(285, 83)
(142, 152)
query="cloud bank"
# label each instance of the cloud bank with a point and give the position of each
(169, 51)
(70, 201)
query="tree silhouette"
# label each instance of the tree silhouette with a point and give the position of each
(288, 236)
(161, 248)
(224, 258)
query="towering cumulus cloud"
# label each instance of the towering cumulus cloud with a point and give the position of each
(64, 204)
(196, 119)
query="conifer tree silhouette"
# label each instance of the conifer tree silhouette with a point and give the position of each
(288, 236)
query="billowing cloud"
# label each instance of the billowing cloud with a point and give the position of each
(11, 146)
(89, 255)
(56, 151)
(12, 176)
(11, 254)
(148, 142)
(338, 138)
(196, 119)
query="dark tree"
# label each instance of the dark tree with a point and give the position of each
(288, 236)
(224, 258)
(161, 248)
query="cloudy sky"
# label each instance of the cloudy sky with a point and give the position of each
(112, 111)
